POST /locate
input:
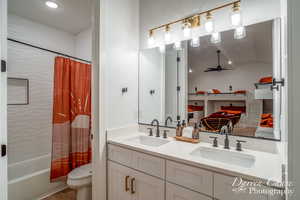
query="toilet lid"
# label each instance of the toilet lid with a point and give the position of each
(83, 171)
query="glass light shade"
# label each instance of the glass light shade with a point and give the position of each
(167, 36)
(236, 18)
(195, 42)
(240, 33)
(190, 70)
(51, 4)
(162, 48)
(209, 25)
(215, 38)
(177, 45)
(229, 62)
(186, 31)
(151, 41)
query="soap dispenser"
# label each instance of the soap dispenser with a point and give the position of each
(178, 129)
(183, 125)
(195, 131)
(195, 134)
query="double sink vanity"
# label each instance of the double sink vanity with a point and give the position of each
(148, 167)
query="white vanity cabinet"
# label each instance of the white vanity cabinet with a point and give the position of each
(138, 176)
(175, 192)
(127, 184)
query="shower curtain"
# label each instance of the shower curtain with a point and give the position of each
(71, 145)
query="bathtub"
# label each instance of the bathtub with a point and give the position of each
(29, 179)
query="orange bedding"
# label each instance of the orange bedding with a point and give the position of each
(200, 92)
(234, 108)
(192, 108)
(266, 120)
(240, 92)
(268, 79)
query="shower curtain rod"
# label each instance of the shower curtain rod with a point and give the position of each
(55, 52)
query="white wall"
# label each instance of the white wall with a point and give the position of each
(157, 12)
(40, 35)
(121, 44)
(83, 45)
(293, 96)
(241, 78)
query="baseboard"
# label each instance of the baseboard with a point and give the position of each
(57, 190)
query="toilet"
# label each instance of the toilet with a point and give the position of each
(80, 179)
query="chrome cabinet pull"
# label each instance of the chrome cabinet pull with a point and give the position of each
(132, 185)
(126, 184)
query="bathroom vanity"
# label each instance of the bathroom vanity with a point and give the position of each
(145, 167)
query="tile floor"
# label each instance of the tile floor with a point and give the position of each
(67, 194)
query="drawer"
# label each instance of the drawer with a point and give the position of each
(174, 192)
(120, 155)
(223, 190)
(149, 164)
(143, 162)
(190, 177)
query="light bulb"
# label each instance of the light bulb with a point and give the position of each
(240, 32)
(187, 30)
(167, 34)
(162, 48)
(167, 37)
(51, 4)
(190, 70)
(229, 62)
(215, 38)
(209, 24)
(195, 42)
(177, 45)
(151, 39)
(235, 16)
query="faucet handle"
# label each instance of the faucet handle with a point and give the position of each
(239, 144)
(165, 135)
(150, 131)
(215, 142)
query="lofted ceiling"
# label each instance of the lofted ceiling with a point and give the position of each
(72, 16)
(256, 47)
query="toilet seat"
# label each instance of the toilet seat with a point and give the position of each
(80, 176)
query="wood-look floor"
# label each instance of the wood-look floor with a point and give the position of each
(67, 194)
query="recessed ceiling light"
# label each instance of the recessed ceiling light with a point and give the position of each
(51, 4)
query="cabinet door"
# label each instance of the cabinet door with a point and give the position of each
(223, 190)
(117, 182)
(147, 187)
(174, 192)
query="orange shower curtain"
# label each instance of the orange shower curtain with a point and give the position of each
(71, 146)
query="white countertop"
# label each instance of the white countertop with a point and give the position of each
(267, 166)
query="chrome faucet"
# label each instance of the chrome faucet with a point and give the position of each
(168, 118)
(226, 142)
(157, 127)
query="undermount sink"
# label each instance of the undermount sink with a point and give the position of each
(148, 141)
(225, 156)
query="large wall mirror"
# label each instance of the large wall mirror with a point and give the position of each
(216, 85)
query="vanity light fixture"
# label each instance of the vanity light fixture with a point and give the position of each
(240, 33)
(191, 24)
(151, 39)
(167, 34)
(209, 24)
(177, 45)
(51, 4)
(186, 29)
(236, 16)
(195, 42)
(215, 37)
